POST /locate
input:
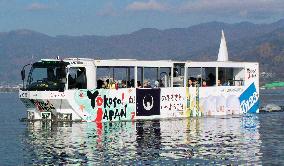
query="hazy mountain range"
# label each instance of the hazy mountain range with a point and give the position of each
(246, 42)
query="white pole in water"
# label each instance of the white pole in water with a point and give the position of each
(223, 51)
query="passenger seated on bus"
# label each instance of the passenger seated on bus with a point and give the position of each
(132, 83)
(161, 83)
(156, 84)
(190, 83)
(227, 83)
(112, 85)
(103, 85)
(100, 84)
(195, 82)
(199, 82)
(204, 83)
(128, 84)
(211, 79)
(219, 83)
(123, 84)
(147, 84)
(139, 84)
(107, 84)
(230, 83)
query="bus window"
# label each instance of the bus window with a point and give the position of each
(208, 77)
(151, 77)
(201, 76)
(124, 77)
(77, 78)
(115, 77)
(193, 74)
(231, 76)
(164, 78)
(178, 75)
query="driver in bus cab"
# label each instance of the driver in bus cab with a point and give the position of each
(50, 74)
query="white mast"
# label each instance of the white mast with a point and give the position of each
(223, 51)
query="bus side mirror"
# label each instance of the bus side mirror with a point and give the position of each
(23, 74)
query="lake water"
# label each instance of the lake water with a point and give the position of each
(253, 139)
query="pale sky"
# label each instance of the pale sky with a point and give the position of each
(109, 17)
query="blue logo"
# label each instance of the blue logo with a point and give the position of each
(249, 100)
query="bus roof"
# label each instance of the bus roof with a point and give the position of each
(150, 63)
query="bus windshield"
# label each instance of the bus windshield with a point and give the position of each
(47, 75)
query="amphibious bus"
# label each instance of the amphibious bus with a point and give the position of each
(81, 89)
